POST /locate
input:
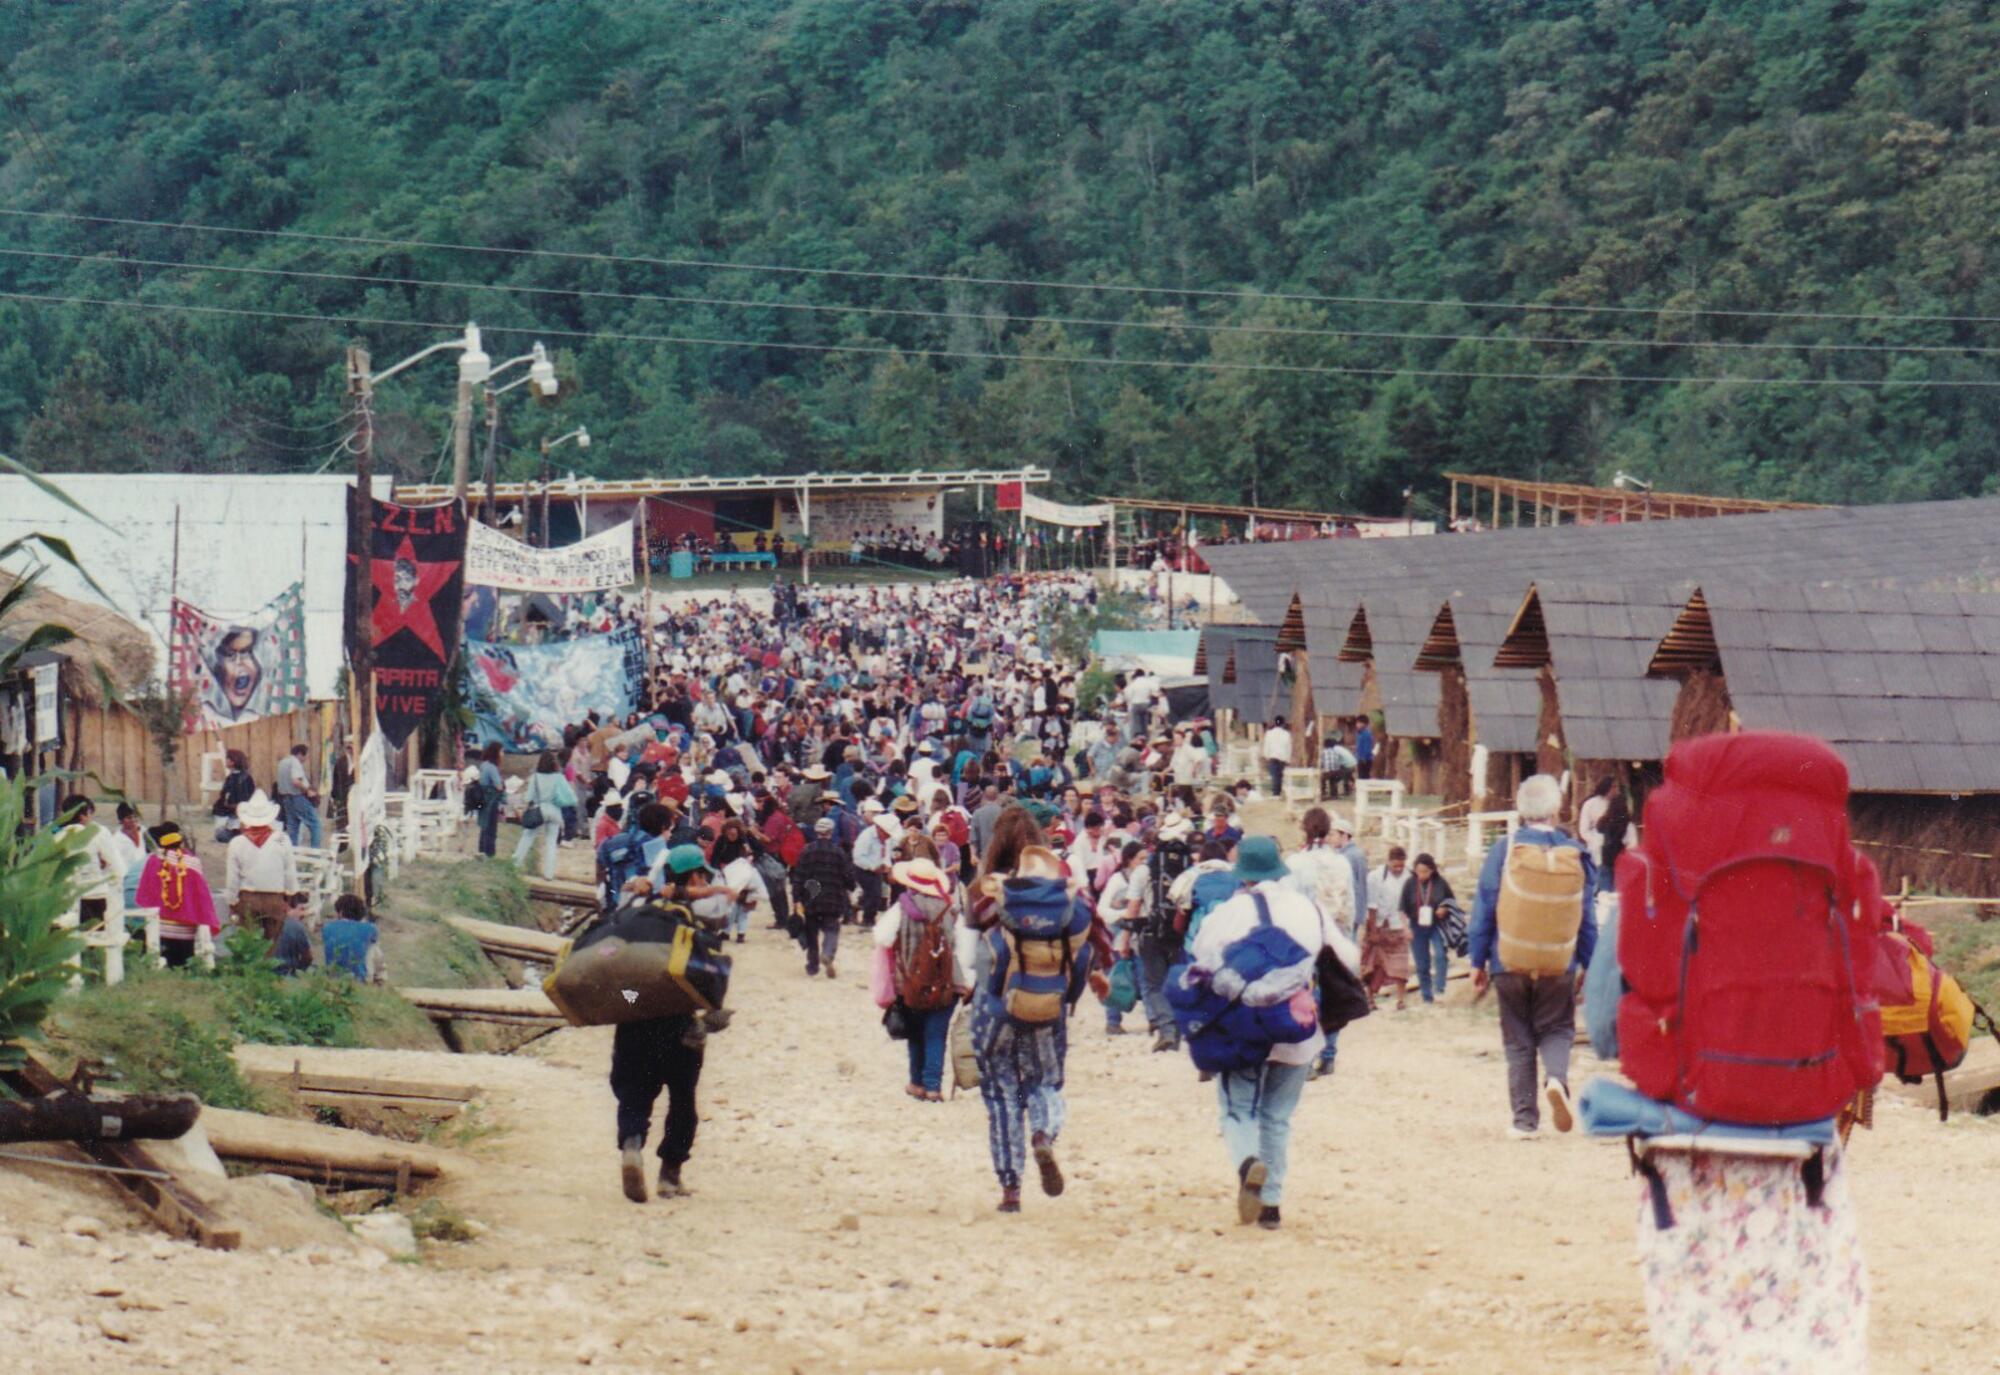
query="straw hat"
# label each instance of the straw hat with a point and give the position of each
(921, 876)
(258, 811)
(612, 798)
(816, 774)
(1038, 861)
(888, 824)
(1175, 827)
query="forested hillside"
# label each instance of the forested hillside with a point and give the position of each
(1702, 199)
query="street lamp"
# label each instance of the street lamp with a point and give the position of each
(473, 367)
(1625, 480)
(581, 434)
(541, 376)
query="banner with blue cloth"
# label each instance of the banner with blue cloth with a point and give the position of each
(522, 696)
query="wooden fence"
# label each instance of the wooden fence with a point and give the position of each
(112, 744)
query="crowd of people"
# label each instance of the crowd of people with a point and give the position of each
(908, 769)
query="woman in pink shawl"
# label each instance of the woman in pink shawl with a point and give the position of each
(173, 882)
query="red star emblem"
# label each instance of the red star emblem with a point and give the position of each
(390, 613)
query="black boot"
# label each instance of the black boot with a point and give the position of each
(670, 1181)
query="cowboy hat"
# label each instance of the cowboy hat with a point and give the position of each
(258, 811)
(1175, 827)
(869, 806)
(904, 805)
(612, 798)
(1038, 861)
(921, 876)
(816, 774)
(887, 823)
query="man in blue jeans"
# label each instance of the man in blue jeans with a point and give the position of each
(296, 798)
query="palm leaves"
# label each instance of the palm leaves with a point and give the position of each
(40, 873)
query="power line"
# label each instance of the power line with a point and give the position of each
(1085, 360)
(710, 264)
(1170, 326)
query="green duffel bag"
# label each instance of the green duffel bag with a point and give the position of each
(637, 964)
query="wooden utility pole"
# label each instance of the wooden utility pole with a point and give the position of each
(490, 506)
(360, 548)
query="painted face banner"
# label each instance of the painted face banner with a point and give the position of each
(241, 669)
(416, 576)
(523, 695)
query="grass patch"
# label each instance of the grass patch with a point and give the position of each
(436, 1220)
(419, 950)
(1968, 949)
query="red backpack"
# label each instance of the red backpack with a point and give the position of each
(1750, 967)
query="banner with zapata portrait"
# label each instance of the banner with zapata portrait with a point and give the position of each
(238, 669)
(523, 695)
(415, 582)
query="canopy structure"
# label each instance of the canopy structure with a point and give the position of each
(1547, 503)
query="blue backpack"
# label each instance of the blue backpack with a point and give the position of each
(623, 857)
(1210, 891)
(1222, 1030)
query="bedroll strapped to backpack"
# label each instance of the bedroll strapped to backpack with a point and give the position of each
(926, 983)
(1260, 996)
(1540, 907)
(1748, 967)
(1170, 859)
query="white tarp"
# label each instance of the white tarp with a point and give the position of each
(1057, 513)
(367, 800)
(244, 540)
(591, 565)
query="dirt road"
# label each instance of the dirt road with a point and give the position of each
(836, 1225)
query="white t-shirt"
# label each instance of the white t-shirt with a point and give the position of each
(1278, 744)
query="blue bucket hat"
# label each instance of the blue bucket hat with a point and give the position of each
(1257, 860)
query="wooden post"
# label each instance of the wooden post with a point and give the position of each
(646, 600)
(1496, 508)
(1454, 505)
(360, 547)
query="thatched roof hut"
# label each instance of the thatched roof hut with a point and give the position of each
(108, 651)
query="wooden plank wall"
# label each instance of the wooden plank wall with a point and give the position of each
(116, 748)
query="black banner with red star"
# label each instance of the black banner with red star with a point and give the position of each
(417, 577)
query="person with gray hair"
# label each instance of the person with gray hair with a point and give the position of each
(1533, 908)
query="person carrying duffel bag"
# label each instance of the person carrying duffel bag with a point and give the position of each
(1244, 1002)
(655, 970)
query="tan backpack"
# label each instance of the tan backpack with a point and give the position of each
(1540, 908)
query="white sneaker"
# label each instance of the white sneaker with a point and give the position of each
(1559, 1110)
(1522, 1133)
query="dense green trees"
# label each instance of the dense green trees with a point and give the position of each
(1729, 163)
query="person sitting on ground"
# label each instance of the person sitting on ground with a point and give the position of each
(292, 952)
(350, 943)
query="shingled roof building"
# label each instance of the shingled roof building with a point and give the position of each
(1542, 641)
(1903, 683)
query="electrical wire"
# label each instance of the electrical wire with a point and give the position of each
(1085, 360)
(1081, 322)
(717, 265)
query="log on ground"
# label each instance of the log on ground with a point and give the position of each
(518, 942)
(98, 1117)
(310, 1151)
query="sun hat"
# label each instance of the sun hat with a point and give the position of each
(904, 804)
(887, 823)
(869, 806)
(612, 798)
(1337, 822)
(824, 826)
(1257, 860)
(686, 859)
(1039, 861)
(816, 774)
(921, 876)
(258, 811)
(1175, 827)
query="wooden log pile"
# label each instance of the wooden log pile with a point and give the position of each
(98, 1117)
